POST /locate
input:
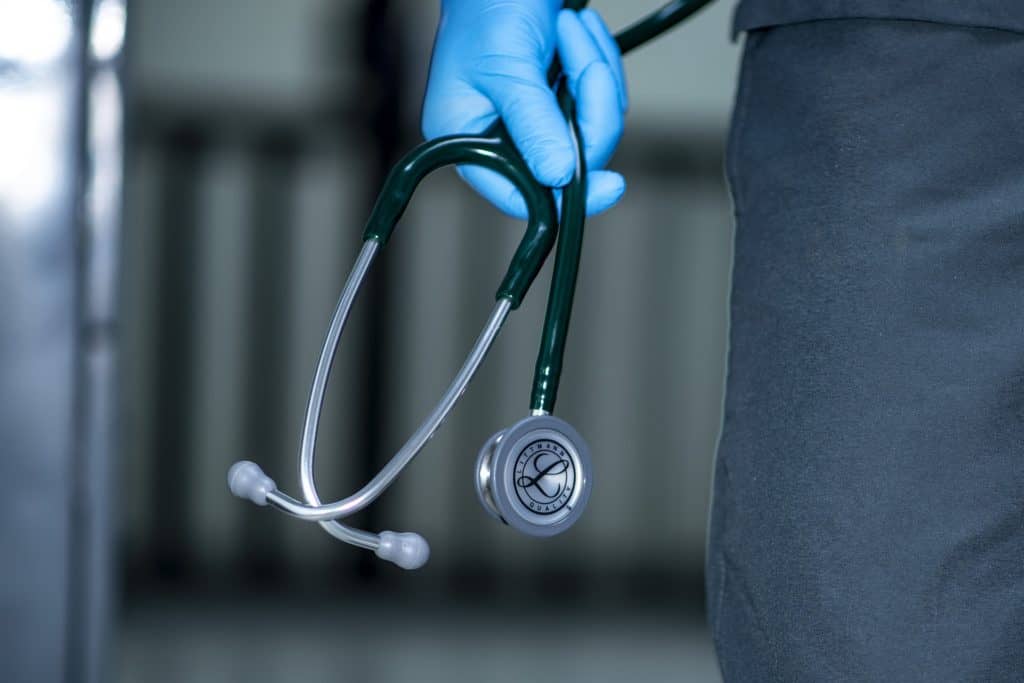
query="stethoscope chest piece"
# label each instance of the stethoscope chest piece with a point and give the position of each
(535, 476)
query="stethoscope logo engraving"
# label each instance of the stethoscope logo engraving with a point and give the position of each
(544, 477)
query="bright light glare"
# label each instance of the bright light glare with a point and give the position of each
(34, 32)
(31, 140)
(107, 29)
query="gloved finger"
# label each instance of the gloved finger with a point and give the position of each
(604, 189)
(495, 188)
(592, 83)
(474, 112)
(519, 90)
(610, 49)
(599, 116)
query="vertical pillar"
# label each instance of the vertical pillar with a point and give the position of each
(59, 213)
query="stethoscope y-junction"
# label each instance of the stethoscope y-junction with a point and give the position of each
(536, 475)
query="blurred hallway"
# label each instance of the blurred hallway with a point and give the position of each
(288, 639)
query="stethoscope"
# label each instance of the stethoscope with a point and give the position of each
(536, 475)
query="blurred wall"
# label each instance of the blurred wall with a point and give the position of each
(259, 132)
(291, 54)
(60, 200)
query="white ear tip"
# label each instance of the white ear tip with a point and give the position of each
(247, 480)
(407, 550)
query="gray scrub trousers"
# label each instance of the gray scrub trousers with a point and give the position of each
(868, 507)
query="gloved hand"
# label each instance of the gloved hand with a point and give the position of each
(491, 59)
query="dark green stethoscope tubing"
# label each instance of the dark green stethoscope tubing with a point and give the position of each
(655, 23)
(548, 371)
(496, 153)
(495, 150)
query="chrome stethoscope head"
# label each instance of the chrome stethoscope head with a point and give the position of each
(535, 476)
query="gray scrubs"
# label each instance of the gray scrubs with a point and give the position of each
(868, 511)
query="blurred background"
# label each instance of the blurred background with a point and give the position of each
(168, 298)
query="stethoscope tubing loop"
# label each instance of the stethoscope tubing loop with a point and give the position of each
(497, 153)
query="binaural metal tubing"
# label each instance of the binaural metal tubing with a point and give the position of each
(371, 491)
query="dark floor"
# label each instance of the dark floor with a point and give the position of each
(279, 639)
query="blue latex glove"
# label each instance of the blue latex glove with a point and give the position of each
(491, 59)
